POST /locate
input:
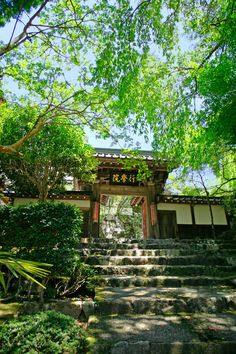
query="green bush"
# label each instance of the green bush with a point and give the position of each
(48, 233)
(46, 332)
(45, 232)
(42, 224)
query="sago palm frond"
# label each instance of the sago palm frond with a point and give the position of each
(26, 268)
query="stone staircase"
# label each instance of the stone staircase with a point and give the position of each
(163, 296)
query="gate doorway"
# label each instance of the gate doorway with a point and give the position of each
(120, 218)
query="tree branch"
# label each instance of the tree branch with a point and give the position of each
(23, 35)
(218, 45)
(223, 183)
(147, 2)
(13, 148)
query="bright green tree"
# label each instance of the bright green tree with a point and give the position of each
(57, 151)
(122, 63)
(80, 56)
(186, 96)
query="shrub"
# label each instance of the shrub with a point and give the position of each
(43, 224)
(48, 233)
(45, 232)
(45, 332)
(82, 281)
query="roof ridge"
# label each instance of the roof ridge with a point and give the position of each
(120, 151)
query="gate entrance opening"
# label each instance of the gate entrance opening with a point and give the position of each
(120, 218)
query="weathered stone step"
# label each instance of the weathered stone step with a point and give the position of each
(91, 240)
(102, 246)
(136, 249)
(176, 270)
(138, 245)
(146, 334)
(160, 260)
(135, 252)
(111, 241)
(159, 241)
(183, 244)
(165, 300)
(166, 281)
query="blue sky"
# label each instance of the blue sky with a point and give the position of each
(94, 141)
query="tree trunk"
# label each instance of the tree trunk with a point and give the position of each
(43, 193)
(213, 231)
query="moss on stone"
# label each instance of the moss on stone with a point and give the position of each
(10, 310)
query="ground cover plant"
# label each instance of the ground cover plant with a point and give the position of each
(45, 332)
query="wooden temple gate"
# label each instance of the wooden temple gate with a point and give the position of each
(113, 179)
(164, 216)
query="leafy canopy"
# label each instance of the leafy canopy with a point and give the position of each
(15, 8)
(126, 64)
(57, 151)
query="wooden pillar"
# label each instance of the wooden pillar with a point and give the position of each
(95, 211)
(144, 219)
(152, 217)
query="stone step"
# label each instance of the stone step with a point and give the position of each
(134, 252)
(160, 260)
(142, 300)
(163, 277)
(133, 241)
(139, 245)
(173, 270)
(102, 246)
(156, 241)
(160, 241)
(85, 251)
(146, 334)
(186, 244)
(159, 281)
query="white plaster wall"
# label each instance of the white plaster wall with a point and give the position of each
(219, 215)
(83, 204)
(203, 217)
(183, 212)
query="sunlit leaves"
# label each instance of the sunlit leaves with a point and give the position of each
(21, 267)
(131, 65)
(58, 150)
(9, 9)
